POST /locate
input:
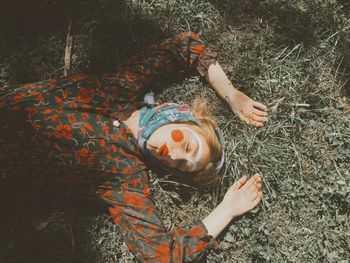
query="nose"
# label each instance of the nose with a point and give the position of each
(174, 154)
(177, 153)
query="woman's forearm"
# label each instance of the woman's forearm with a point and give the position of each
(217, 220)
(217, 78)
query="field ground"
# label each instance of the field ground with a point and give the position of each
(292, 55)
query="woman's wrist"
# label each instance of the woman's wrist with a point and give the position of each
(226, 209)
(218, 219)
(232, 96)
(221, 84)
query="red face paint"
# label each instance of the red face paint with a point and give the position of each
(163, 150)
(177, 135)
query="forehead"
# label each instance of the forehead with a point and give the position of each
(190, 129)
(191, 133)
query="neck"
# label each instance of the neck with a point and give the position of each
(133, 123)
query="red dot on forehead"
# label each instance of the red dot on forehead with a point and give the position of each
(177, 135)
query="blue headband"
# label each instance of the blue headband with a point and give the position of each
(152, 117)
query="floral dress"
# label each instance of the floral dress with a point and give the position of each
(73, 122)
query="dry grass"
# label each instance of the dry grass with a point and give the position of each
(292, 55)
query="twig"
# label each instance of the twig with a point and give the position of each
(68, 53)
(299, 104)
(176, 183)
(336, 168)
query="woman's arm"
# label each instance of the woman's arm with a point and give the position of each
(240, 198)
(248, 110)
(143, 71)
(133, 211)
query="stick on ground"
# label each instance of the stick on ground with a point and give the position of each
(68, 52)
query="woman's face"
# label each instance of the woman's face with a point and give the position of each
(180, 146)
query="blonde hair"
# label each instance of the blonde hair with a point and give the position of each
(207, 176)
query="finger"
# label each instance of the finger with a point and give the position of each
(254, 195)
(255, 177)
(258, 179)
(260, 105)
(251, 181)
(240, 182)
(253, 188)
(244, 118)
(258, 118)
(235, 184)
(259, 112)
(258, 198)
(257, 124)
(247, 121)
(250, 121)
(258, 186)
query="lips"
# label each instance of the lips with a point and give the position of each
(163, 150)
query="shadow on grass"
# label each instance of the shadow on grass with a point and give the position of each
(292, 23)
(38, 225)
(104, 34)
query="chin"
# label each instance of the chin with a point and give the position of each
(165, 162)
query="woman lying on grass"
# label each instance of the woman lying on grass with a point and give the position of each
(98, 132)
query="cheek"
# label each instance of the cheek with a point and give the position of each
(177, 135)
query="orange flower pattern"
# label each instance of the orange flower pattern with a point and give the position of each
(72, 122)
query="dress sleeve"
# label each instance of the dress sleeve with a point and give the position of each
(133, 211)
(181, 52)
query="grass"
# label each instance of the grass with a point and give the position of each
(291, 55)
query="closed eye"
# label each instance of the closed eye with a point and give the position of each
(187, 147)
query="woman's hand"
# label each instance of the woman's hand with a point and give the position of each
(240, 198)
(248, 110)
(243, 195)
